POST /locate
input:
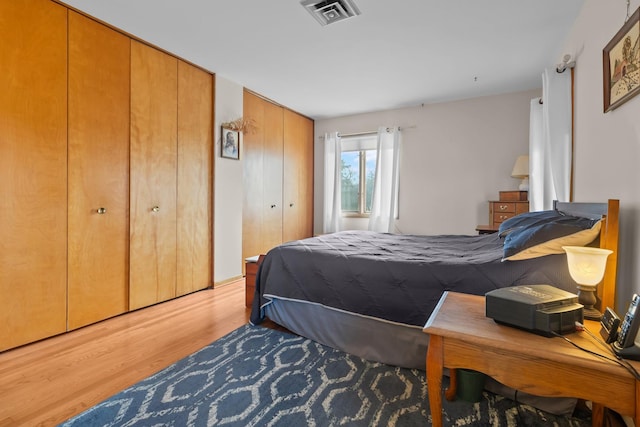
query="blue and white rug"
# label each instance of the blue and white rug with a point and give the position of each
(257, 376)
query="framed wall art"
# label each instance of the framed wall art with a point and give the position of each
(621, 64)
(230, 146)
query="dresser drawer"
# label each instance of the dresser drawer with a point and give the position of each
(502, 210)
(513, 196)
(503, 207)
(499, 217)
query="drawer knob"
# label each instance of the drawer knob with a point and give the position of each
(102, 211)
(504, 207)
(156, 209)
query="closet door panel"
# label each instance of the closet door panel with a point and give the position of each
(33, 171)
(98, 171)
(195, 172)
(272, 180)
(298, 177)
(252, 154)
(278, 176)
(152, 270)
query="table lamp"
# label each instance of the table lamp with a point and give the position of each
(521, 171)
(586, 266)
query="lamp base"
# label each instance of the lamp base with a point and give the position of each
(587, 297)
(524, 185)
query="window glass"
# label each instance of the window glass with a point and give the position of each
(357, 174)
(370, 173)
(350, 181)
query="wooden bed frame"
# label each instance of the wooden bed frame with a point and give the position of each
(609, 213)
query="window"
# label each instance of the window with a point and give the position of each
(358, 167)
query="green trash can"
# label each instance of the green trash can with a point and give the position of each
(470, 385)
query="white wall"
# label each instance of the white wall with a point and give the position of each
(458, 155)
(607, 146)
(455, 157)
(228, 197)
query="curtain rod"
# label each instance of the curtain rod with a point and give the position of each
(371, 132)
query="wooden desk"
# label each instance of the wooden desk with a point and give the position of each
(461, 336)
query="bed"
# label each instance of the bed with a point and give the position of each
(370, 294)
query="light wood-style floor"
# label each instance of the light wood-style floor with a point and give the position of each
(50, 381)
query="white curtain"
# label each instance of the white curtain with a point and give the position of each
(384, 207)
(332, 185)
(550, 142)
(536, 157)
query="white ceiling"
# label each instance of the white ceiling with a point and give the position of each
(397, 53)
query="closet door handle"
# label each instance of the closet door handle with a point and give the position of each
(102, 211)
(290, 205)
(273, 206)
(156, 209)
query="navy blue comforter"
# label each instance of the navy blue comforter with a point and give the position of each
(399, 278)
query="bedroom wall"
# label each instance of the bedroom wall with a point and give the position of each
(455, 157)
(607, 146)
(228, 197)
(447, 195)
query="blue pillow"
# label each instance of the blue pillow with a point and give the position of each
(528, 219)
(547, 237)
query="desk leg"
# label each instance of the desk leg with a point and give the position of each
(434, 378)
(597, 414)
(636, 417)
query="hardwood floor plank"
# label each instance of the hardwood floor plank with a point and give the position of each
(47, 382)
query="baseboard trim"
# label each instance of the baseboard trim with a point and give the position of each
(228, 281)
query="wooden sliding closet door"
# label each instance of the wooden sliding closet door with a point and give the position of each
(195, 178)
(272, 180)
(98, 171)
(297, 214)
(152, 271)
(33, 171)
(252, 172)
(262, 177)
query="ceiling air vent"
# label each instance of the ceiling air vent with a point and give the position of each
(330, 11)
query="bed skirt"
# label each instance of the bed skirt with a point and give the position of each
(367, 337)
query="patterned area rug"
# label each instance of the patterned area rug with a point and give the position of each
(257, 376)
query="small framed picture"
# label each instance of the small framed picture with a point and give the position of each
(230, 146)
(621, 64)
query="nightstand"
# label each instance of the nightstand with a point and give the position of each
(251, 269)
(486, 229)
(461, 336)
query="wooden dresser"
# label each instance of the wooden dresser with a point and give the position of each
(510, 204)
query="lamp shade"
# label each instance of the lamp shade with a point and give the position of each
(521, 167)
(586, 265)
